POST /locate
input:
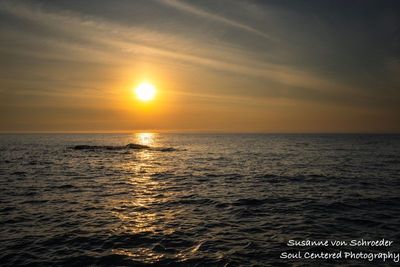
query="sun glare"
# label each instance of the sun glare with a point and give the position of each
(145, 91)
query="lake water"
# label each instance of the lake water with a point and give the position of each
(212, 200)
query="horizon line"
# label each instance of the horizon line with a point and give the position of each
(187, 132)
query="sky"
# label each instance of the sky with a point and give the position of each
(272, 66)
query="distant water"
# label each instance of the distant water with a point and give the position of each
(214, 200)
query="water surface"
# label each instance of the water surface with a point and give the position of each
(215, 200)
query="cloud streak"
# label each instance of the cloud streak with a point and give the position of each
(191, 9)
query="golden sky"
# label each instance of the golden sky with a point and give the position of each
(217, 66)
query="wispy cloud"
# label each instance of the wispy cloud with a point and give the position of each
(216, 17)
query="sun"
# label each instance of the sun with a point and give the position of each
(145, 92)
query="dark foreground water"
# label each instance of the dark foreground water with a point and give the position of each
(212, 200)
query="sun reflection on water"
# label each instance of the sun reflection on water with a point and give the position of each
(141, 211)
(147, 139)
(141, 254)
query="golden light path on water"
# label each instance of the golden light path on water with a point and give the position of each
(148, 139)
(136, 210)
